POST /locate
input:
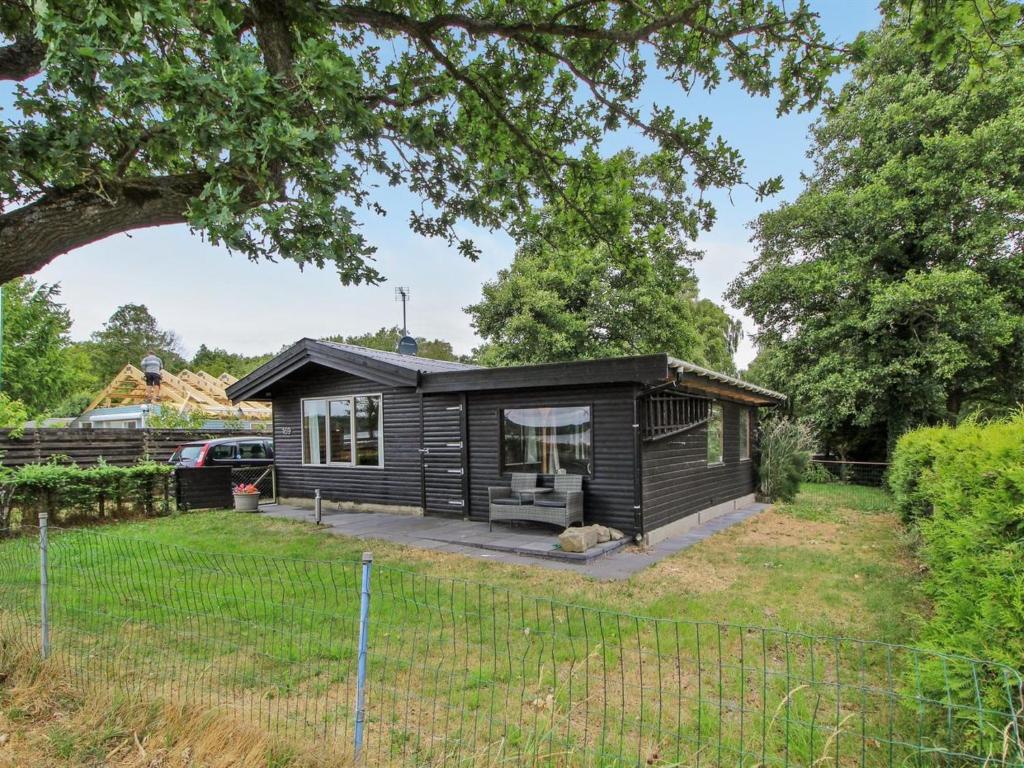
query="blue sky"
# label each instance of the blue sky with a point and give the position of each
(209, 296)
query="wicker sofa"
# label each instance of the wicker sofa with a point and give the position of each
(562, 507)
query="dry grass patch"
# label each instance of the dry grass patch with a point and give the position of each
(46, 721)
(772, 529)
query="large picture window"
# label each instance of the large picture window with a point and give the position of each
(546, 440)
(744, 434)
(716, 435)
(342, 430)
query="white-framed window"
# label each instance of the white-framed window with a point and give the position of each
(744, 434)
(716, 435)
(345, 431)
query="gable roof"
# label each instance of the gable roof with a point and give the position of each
(387, 368)
(394, 369)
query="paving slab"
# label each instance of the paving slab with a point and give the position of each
(518, 545)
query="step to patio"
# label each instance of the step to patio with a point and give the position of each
(542, 549)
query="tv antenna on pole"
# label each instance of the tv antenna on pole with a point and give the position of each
(403, 295)
(407, 344)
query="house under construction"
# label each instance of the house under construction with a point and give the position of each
(122, 404)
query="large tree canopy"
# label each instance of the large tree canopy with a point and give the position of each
(569, 295)
(35, 367)
(216, 361)
(128, 336)
(987, 35)
(891, 292)
(387, 339)
(268, 124)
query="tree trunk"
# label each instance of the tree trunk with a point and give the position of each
(954, 402)
(62, 220)
(21, 59)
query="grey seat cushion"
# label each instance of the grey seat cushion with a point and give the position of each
(507, 502)
(553, 502)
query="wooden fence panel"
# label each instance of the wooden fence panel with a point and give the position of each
(85, 447)
(205, 488)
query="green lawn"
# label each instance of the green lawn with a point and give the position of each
(472, 662)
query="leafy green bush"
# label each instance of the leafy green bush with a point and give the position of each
(69, 493)
(169, 418)
(785, 451)
(911, 468)
(963, 489)
(815, 473)
(13, 415)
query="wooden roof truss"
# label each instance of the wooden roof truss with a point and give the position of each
(188, 391)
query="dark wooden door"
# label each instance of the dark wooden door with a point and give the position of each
(443, 452)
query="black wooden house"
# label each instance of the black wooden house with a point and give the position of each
(660, 443)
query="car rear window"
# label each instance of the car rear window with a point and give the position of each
(190, 452)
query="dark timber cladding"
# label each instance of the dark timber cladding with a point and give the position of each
(443, 452)
(648, 463)
(395, 483)
(608, 493)
(677, 479)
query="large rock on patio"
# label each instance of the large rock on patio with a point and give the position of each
(614, 534)
(603, 533)
(577, 539)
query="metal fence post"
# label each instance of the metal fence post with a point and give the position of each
(364, 631)
(317, 506)
(44, 598)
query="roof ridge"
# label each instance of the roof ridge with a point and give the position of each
(397, 356)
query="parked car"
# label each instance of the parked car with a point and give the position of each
(225, 452)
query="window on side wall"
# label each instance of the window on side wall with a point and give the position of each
(716, 435)
(548, 441)
(343, 431)
(744, 434)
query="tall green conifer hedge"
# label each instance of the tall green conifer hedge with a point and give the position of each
(962, 488)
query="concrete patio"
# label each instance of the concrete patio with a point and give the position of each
(522, 544)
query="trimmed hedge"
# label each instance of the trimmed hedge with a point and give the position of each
(72, 494)
(963, 489)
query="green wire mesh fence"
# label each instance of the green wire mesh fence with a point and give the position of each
(859, 485)
(465, 674)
